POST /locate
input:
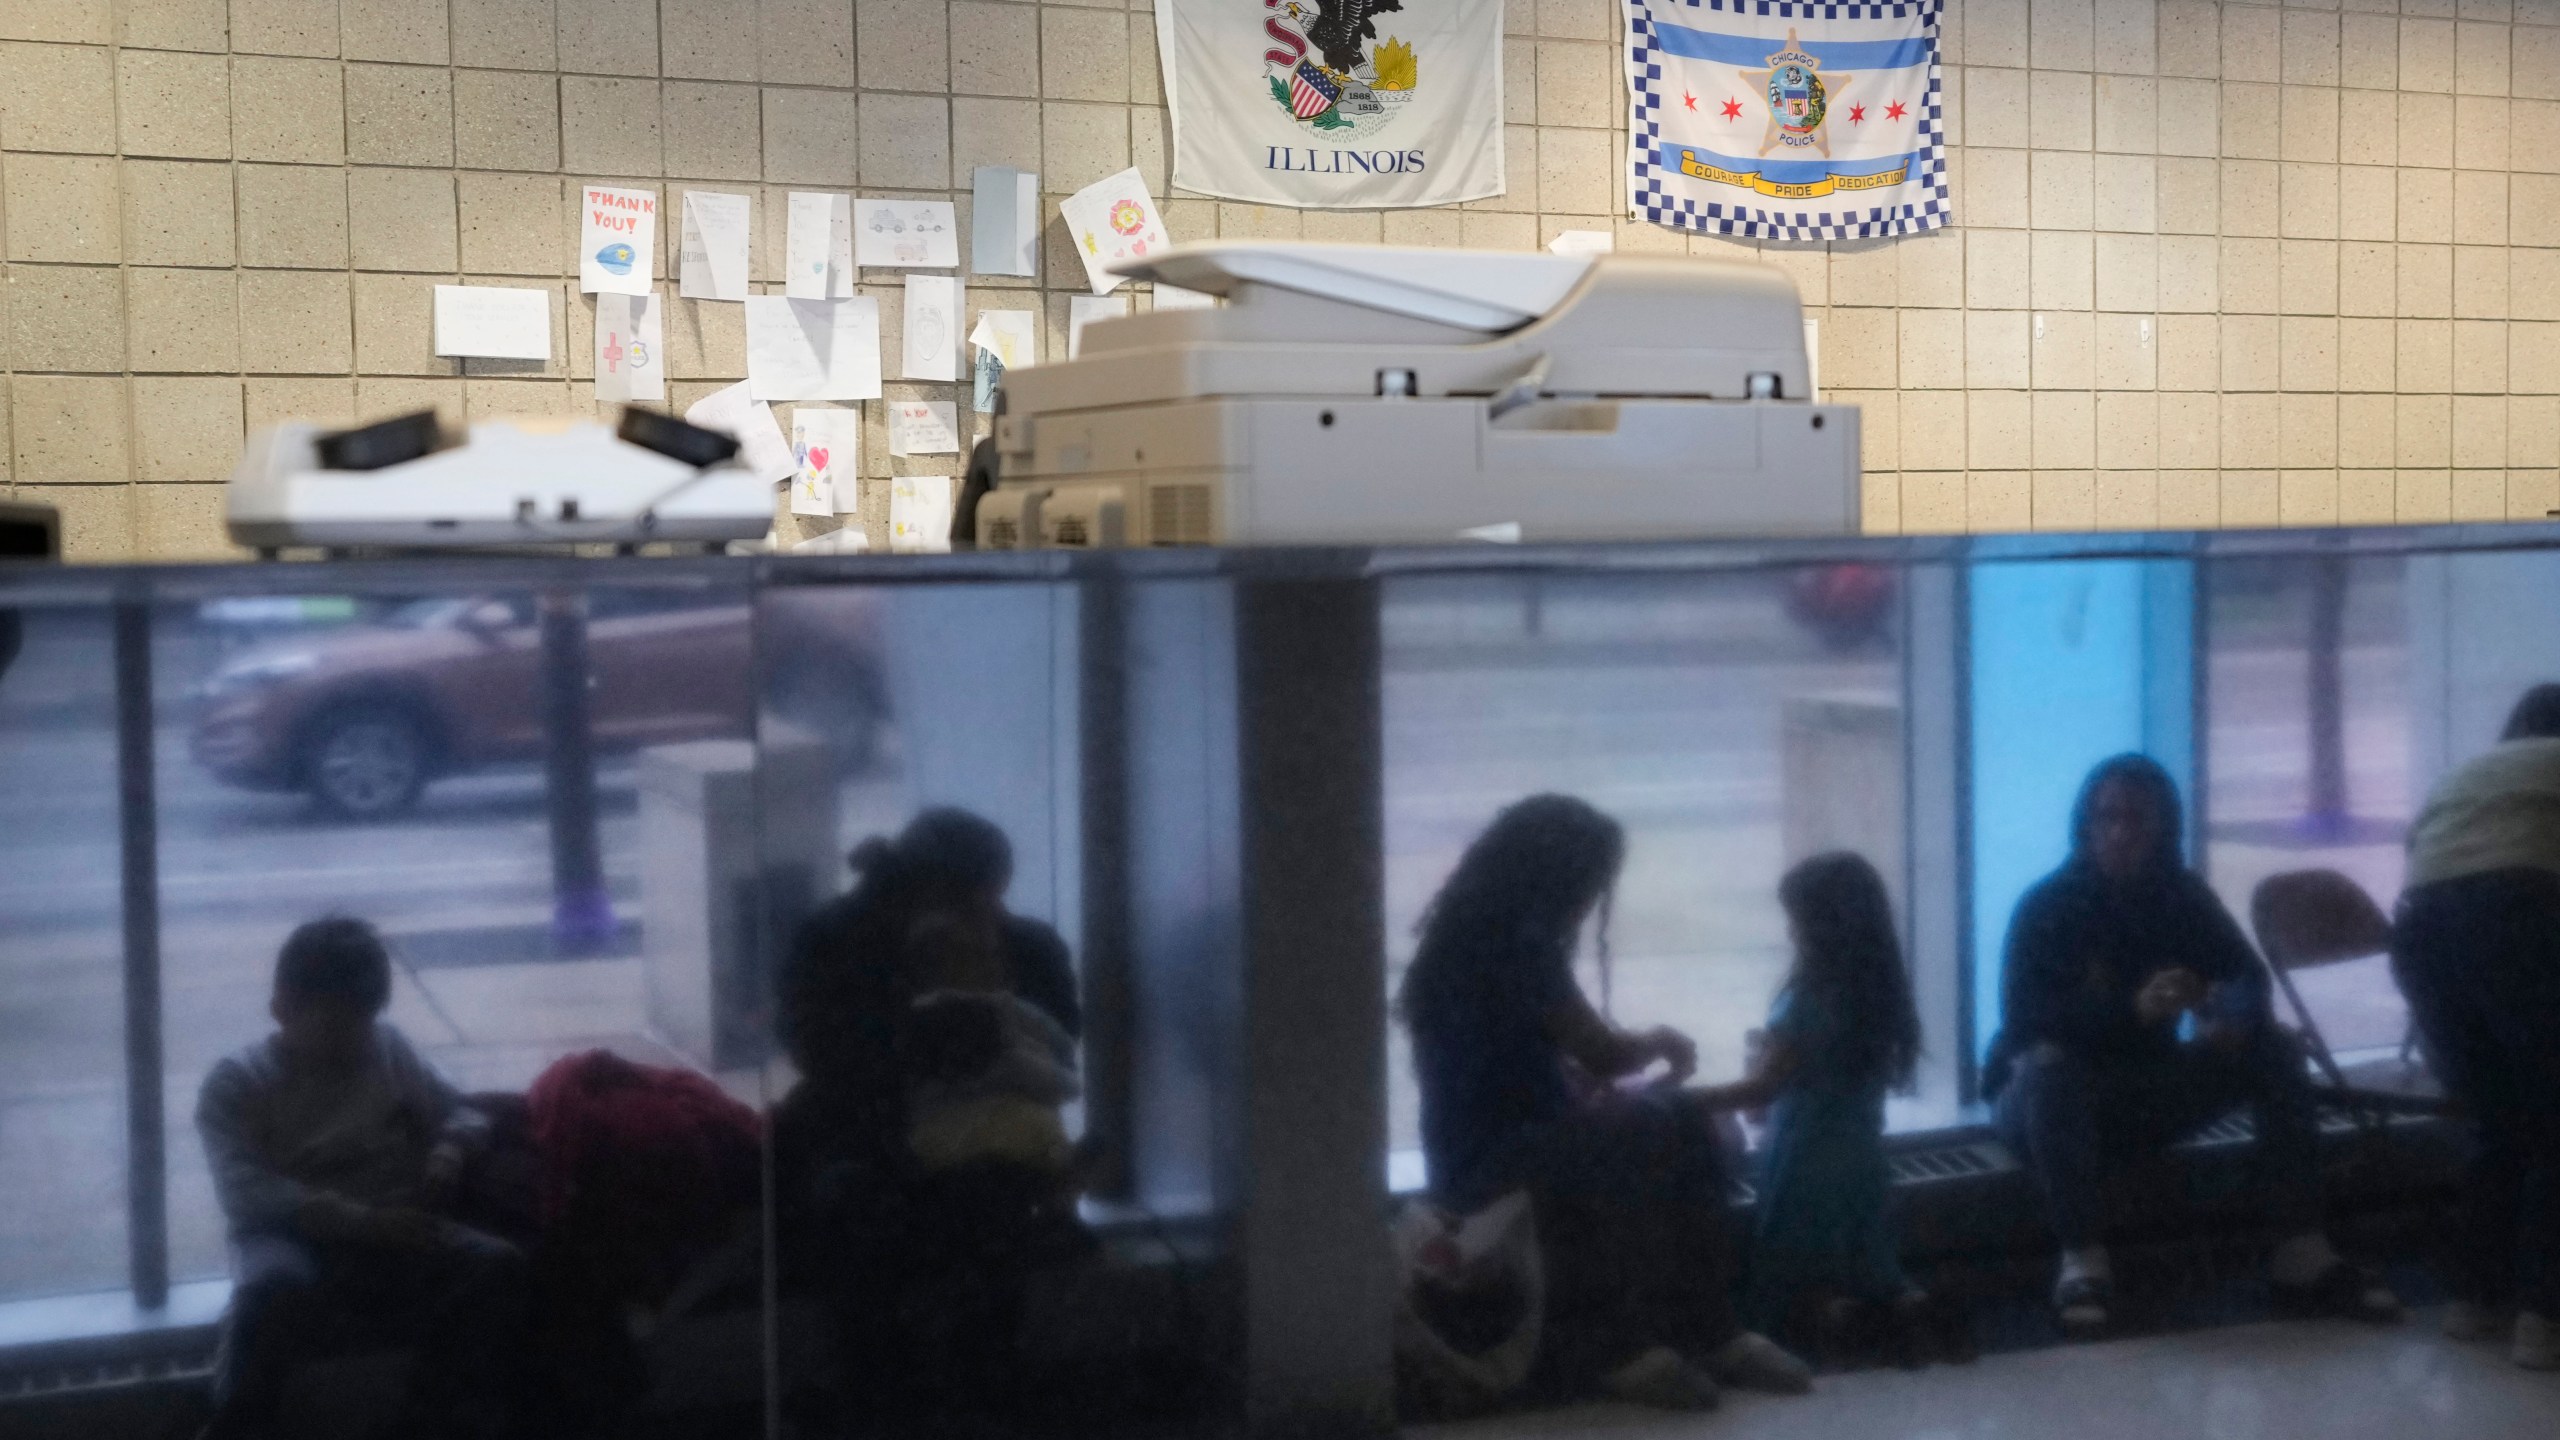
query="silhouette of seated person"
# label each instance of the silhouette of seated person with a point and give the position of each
(2134, 1014)
(334, 1147)
(924, 1167)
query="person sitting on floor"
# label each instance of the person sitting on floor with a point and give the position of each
(2476, 948)
(1526, 1088)
(2110, 959)
(989, 1068)
(332, 1144)
(1842, 1032)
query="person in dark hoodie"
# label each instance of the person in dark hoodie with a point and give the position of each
(2134, 1013)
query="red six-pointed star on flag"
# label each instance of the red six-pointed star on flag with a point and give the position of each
(1857, 114)
(1893, 111)
(1688, 99)
(1733, 109)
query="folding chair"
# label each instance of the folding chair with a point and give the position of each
(2306, 919)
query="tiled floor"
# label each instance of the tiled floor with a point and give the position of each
(2254, 1382)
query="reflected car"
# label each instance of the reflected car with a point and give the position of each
(362, 717)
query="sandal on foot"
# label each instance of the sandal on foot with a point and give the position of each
(1756, 1362)
(2083, 1303)
(1659, 1379)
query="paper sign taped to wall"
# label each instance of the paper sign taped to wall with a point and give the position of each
(1174, 297)
(818, 247)
(493, 322)
(618, 241)
(1582, 242)
(912, 234)
(762, 450)
(1083, 310)
(1004, 221)
(933, 328)
(924, 427)
(920, 514)
(813, 349)
(630, 348)
(827, 443)
(1112, 220)
(1003, 339)
(713, 262)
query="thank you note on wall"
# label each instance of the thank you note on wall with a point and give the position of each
(618, 241)
(1341, 104)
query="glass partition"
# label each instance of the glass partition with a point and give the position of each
(726, 889)
(63, 1077)
(1731, 723)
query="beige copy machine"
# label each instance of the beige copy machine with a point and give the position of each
(1353, 394)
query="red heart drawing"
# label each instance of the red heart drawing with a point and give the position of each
(817, 459)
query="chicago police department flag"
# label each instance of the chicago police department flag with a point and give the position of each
(1323, 104)
(1785, 119)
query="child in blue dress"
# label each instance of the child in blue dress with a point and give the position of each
(1842, 1032)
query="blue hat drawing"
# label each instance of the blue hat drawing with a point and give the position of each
(616, 258)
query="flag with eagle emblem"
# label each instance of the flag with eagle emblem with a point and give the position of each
(1787, 119)
(1335, 104)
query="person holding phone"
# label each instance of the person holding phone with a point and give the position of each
(2134, 1014)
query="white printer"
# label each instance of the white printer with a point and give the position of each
(529, 482)
(1366, 394)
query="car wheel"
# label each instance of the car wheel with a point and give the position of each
(366, 763)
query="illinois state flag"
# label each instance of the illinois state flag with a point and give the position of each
(1786, 120)
(1335, 104)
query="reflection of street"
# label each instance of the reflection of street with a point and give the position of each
(462, 887)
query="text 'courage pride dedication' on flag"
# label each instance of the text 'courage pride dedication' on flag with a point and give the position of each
(1786, 119)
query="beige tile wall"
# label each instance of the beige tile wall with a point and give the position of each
(2219, 264)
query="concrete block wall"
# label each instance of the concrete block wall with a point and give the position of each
(2217, 264)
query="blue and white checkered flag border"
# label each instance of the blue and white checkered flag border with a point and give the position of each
(1644, 70)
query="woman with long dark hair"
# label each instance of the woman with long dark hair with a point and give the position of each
(1525, 1087)
(1843, 1032)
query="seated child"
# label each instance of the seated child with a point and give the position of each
(1842, 1032)
(987, 1069)
(331, 1144)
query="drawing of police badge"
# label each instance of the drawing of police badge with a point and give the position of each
(1799, 96)
(1353, 83)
